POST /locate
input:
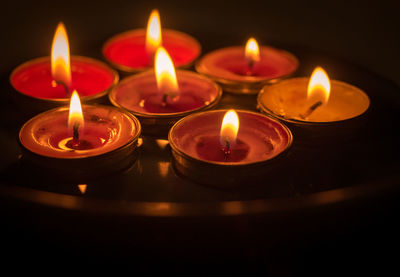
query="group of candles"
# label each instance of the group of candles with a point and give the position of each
(161, 101)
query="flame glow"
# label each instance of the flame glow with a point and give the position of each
(165, 72)
(252, 51)
(60, 59)
(229, 128)
(75, 111)
(319, 85)
(82, 188)
(153, 34)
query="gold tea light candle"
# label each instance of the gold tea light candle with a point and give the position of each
(316, 107)
(160, 97)
(228, 148)
(81, 140)
(245, 70)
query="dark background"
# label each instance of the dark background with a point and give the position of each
(365, 32)
(362, 32)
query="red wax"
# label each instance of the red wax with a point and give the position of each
(140, 94)
(88, 77)
(259, 137)
(128, 52)
(230, 63)
(210, 148)
(89, 138)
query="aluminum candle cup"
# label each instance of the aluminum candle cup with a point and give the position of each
(140, 95)
(36, 92)
(127, 52)
(238, 74)
(256, 152)
(339, 118)
(107, 142)
(48, 82)
(133, 51)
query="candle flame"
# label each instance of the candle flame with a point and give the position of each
(75, 111)
(60, 59)
(229, 128)
(319, 85)
(153, 34)
(165, 72)
(252, 51)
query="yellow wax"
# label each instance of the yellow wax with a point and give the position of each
(288, 99)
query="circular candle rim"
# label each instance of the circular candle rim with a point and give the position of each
(174, 147)
(265, 109)
(61, 101)
(129, 69)
(247, 80)
(135, 121)
(111, 96)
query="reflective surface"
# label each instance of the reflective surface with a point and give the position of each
(306, 171)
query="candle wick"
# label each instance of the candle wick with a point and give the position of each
(75, 137)
(311, 109)
(250, 65)
(59, 82)
(227, 149)
(165, 98)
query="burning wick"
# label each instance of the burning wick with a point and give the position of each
(252, 54)
(311, 109)
(75, 136)
(229, 129)
(319, 87)
(227, 149)
(60, 59)
(75, 120)
(153, 34)
(167, 83)
(59, 82)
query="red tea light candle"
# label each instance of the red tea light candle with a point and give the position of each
(47, 82)
(316, 106)
(88, 141)
(245, 70)
(226, 148)
(161, 97)
(133, 51)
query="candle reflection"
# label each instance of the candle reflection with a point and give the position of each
(82, 188)
(163, 168)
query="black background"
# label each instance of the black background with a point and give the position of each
(363, 32)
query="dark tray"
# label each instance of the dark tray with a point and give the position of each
(319, 192)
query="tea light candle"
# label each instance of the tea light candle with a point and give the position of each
(245, 70)
(133, 51)
(160, 97)
(86, 142)
(46, 83)
(225, 148)
(316, 105)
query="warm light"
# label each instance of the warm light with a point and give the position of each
(60, 60)
(252, 51)
(229, 128)
(162, 143)
(75, 111)
(319, 86)
(165, 72)
(82, 188)
(163, 168)
(153, 34)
